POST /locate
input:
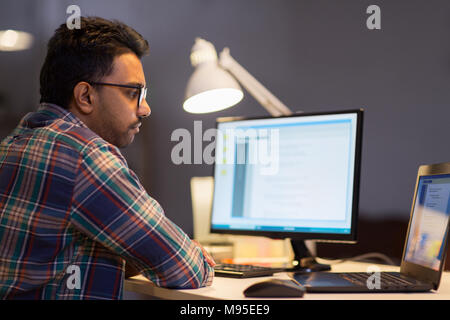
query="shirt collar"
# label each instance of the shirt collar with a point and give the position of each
(56, 112)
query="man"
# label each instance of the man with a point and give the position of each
(72, 214)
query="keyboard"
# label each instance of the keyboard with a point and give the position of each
(243, 270)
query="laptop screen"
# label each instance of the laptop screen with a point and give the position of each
(427, 235)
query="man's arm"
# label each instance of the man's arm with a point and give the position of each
(131, 271)
(111, 206)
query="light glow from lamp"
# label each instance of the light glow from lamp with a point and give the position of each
(213, 100)
(12, 40)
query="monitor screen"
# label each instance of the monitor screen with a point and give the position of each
(288, 177)
(428, 229)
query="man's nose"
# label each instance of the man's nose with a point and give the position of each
(144, 109)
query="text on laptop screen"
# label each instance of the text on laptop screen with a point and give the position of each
(429, 222)
(292, 174)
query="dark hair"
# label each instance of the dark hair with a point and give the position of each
(85, 54)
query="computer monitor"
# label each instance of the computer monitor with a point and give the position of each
(291, 177)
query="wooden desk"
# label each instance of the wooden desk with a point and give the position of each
(231, 289)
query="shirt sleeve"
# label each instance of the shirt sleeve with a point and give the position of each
(111, 206)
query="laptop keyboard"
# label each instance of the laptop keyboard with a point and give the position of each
(243, 270)
(387, 280)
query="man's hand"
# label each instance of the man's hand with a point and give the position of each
(207, 256)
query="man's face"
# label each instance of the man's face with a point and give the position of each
(117, 117)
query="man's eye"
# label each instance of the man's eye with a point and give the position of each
(134, 93)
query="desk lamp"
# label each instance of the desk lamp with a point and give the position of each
(214, 84)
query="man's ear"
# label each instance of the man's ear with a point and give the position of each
(83, 96)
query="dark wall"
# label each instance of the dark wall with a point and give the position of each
(313, 55)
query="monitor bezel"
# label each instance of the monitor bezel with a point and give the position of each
(325, 237)
(414, 270)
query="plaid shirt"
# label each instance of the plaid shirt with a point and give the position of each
(72, 214)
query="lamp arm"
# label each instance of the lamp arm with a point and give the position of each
(271, 103)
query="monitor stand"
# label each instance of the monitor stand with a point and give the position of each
(303, 259)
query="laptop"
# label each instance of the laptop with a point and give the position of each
(424, 251)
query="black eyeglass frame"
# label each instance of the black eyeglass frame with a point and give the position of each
(142, 89)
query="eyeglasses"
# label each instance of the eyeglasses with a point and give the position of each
(142, 89)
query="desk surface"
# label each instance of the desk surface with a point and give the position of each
(231, 289)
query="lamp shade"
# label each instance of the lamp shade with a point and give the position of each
(210, 88)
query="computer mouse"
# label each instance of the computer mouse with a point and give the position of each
(275, 288)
